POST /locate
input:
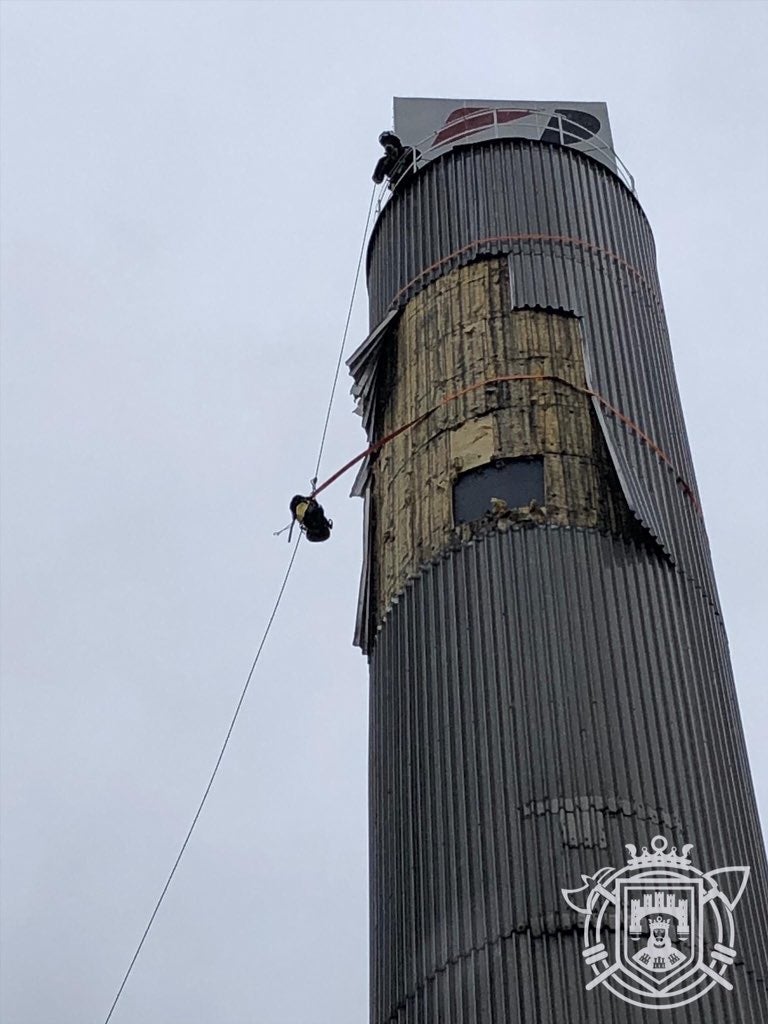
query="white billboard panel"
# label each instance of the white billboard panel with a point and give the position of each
(434, 126)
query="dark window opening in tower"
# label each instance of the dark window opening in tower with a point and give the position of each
(515, 482)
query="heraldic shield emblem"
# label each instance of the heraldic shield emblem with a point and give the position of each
(659, 932)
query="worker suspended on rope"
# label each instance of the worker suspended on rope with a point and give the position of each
(311, 518)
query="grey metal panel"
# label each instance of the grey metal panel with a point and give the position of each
(577, 240)
(539, 698)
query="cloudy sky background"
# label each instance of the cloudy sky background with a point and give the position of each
(184, 187)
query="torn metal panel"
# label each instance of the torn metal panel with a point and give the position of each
(635, 493)
(627, 361)
(361, 479)
(364, 367)
(557, 290)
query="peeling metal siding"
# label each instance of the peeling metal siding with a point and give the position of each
(364, 367)
(539, 698)
(598, 261)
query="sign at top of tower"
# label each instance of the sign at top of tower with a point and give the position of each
(431, 127)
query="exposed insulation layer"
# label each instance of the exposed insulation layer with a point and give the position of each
(459, 331)
(577, 241)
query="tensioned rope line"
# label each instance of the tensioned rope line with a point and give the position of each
(554, 378)
(219, 759)
(344, 336)
(265, 634)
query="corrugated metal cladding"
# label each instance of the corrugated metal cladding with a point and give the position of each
(544, 695)
(539, 698)
(476, 200)
(577, 240)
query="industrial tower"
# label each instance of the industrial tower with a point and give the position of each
(549, 671)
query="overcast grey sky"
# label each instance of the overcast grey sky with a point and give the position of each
(184, 187)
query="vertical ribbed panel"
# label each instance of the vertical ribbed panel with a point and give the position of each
(630, 364)
(539, 698)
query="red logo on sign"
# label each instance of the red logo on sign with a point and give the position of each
(466, 120)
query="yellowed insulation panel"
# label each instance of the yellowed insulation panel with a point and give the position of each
(473, 444)
(458, 332)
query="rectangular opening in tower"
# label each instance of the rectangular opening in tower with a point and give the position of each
(516, 482)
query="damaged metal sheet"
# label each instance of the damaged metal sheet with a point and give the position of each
(577, 241)
(622, 330)
(458, 333)
(364, 367)
(557, 290)
(635, 492)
